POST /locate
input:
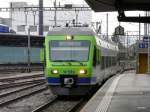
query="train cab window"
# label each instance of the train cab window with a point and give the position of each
(64, 51)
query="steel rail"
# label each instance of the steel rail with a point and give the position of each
(4, 94)
(42, 107)
(23, 96)
(10, 78)
(16, 84)
(76, 106)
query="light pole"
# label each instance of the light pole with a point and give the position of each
(139, 29)
(34, 17)
(55, 15)
(29, 51)
(26, 17)
(40, 17)
(127, 46)
(77, 15)
(107, 25)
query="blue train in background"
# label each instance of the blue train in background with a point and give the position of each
(4, 28)
(18, 55)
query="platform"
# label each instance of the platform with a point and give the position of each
(128, 92)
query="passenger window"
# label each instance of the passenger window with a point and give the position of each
(110, 63)
(98, 56)
(106, 62)
(113, 61)
(94, 57)
(103, 63)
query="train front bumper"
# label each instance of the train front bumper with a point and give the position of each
(80, 86)
(76, 81)
(77, 91)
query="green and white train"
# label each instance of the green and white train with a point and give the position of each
(76, 60)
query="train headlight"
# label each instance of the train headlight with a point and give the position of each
(69, 37)
(55, 71)
(82, 71)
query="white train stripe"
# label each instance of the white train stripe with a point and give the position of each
(104, 104)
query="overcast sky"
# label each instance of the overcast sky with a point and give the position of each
(96, 16)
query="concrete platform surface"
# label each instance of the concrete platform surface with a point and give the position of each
(128, 92)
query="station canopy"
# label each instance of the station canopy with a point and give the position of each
(121, 6)
(116, 5)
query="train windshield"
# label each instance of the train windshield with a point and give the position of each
(69, 51)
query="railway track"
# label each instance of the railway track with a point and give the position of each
(20, 83)
(18, 67)
(56, 104)
(17, 77)
(77, 106)
(46, 105)
(65, 104)
(13, 96)
(20, 80)
(5, 94)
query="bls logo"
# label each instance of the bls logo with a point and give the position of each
(69, 72)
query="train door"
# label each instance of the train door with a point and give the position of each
(143, 64)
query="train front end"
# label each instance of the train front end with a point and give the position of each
(69, 63)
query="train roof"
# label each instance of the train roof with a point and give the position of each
(4, 25)
(71, 31)
(83, 31)
(106, 44)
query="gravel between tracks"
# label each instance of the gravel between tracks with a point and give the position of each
(60, 106)
(21, 93)
(28, 104)
(14, 88)
(6, 90)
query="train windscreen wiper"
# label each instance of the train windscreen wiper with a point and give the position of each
(65, 61)
(76, 61)
(59, 61)
(69, 61)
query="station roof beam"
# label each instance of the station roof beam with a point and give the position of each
(121, 6)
